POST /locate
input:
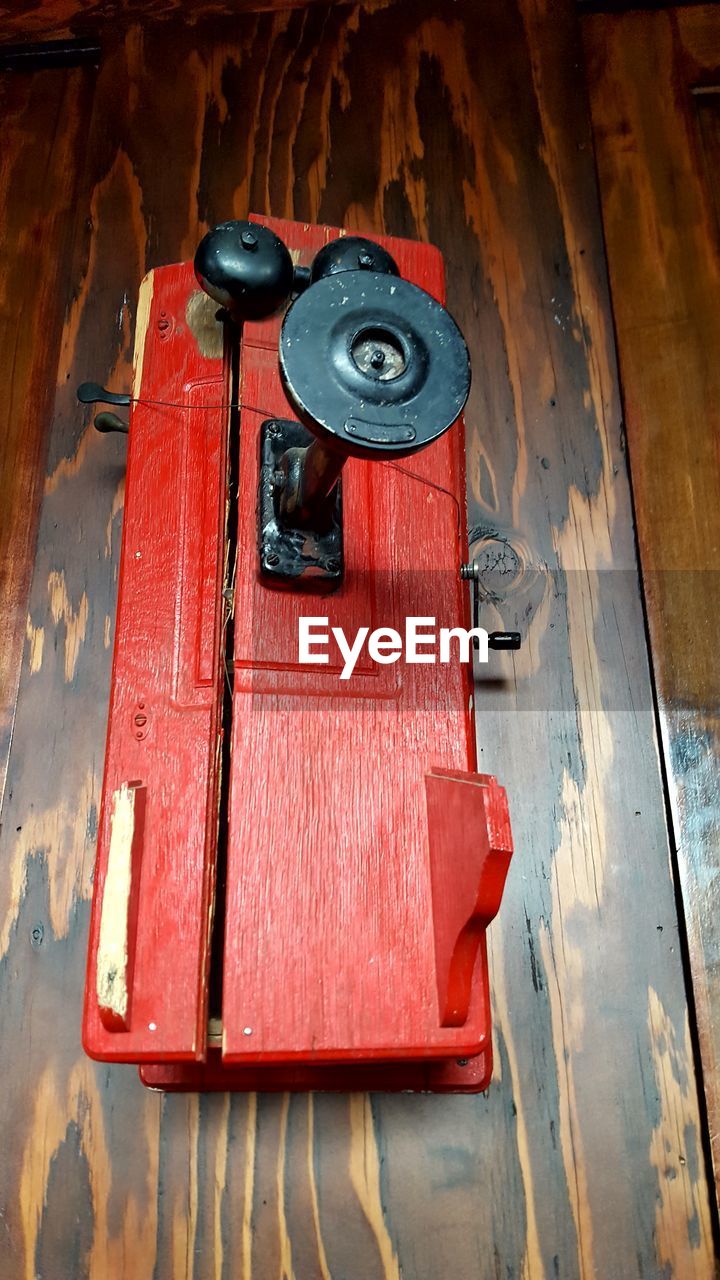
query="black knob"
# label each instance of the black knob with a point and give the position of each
(351, 253)
(246, 268)
(107, 422)
(504, 640)
(93, 393)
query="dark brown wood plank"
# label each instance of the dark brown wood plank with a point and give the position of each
(585, 1157)
(42, 118)
(34, 20)
(658, 145)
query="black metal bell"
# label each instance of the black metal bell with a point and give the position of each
(246, 268)
(351, 253)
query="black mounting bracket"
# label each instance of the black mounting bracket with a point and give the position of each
(304, 554)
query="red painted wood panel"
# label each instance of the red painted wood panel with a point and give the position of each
(164, 725)
(329, 947)
(466, 1075)
(470, 851)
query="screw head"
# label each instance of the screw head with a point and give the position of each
(248, 240)
(365, 260)
(377, 359)
(272, 558)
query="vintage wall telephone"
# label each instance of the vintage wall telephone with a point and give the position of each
(295, 872)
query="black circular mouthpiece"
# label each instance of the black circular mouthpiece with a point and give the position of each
(372, 364)
(245, 268)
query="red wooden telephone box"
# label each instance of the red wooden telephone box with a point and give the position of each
(295, 872)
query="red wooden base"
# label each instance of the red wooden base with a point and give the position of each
(470, 1075)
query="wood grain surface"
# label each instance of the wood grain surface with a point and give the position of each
(585, 1157)
(33, 20)
(656, 108)
(42, 117)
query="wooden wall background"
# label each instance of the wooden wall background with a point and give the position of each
(33, 20)
(466, 125)
(655, 90)
(39, 171)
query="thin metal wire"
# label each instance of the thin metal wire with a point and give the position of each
(412, 475)
(268, 413)
(178, 404)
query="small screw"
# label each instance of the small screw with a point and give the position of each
(248, 240)
(140, 720)
(365, 260)
(462, 1062)
(36, 935)
(377, 359)
(272, 558)
(470, 571)
(332, 565)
